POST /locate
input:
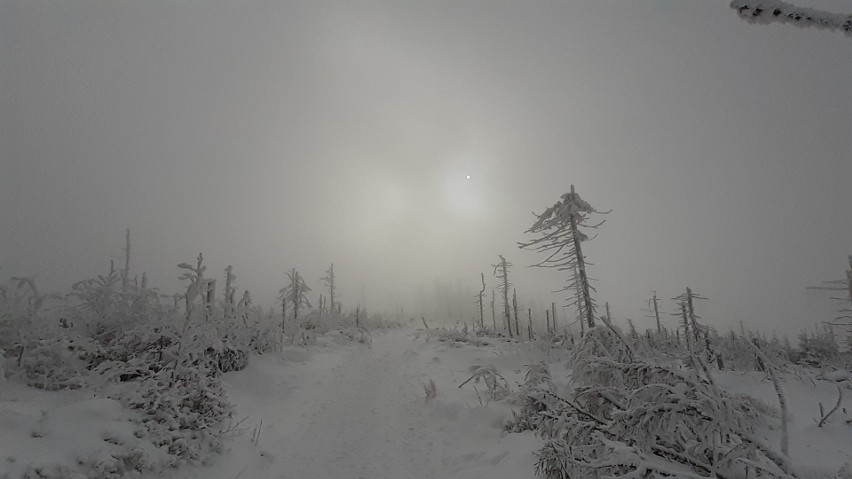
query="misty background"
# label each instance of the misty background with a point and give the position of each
(272, 135)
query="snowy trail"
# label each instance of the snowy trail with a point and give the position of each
(358, 412)
(369, 420)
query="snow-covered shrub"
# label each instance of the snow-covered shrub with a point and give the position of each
(629, 417)
(739, 356)
(104, 304)
(454, 337)
(183, 411)
(52, 364)
(495, 383)
(816, 349)
(356, 335)
(227, 356)
(23, 316)
(538, 401)
(264, 337)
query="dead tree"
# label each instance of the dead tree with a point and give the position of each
(210, 300)
(515, 310)
(688, 301)
(230, 292)
(685, 325)
(844, 317)
(578, 293)
(295, 293)
(493, 313)
(197, 283)
(481, 315)
(560, 238)
(501, 270)
(654, 307)
(547, 319)
(125, 275)
(529, 324)
(330, 282)
(553, 316)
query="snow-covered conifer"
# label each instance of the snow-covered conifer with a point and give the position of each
(560, 237)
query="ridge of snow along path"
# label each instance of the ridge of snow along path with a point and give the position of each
(352, 411)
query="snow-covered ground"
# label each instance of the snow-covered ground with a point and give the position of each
(341, 409)
(357, 411)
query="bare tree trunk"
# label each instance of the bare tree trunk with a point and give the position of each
(553, 317)
(297, 295)
(229, 293)
(515, 309)
(657, 312)
(588, 308)
(332, 285)
(578, 290)
(210, 298)
(125, 277)
(481, 315)
(505, 277)
(691, 310)
(331, 282)
(849, 279)
(283, 314)
(547, 319)
(685, 317)
(493, 313)
(529, 324)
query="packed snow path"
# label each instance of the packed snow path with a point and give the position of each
(369, 422)
(359, 411)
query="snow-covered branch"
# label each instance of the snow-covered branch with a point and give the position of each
(771, 11)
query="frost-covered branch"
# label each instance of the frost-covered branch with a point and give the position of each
(628, 418)
(776, 11)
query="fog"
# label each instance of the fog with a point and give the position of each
(274, 135)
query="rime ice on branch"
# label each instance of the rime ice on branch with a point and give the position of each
(771, 11)
(560, 237)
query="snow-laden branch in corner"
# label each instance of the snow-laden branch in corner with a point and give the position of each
(769, 11)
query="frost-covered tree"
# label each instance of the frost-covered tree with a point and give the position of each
(515, 311)
(295, 293)
(481, 309)
(243, 308)
(197, 283)
(228, 302)
(330, 282)
(104, 303)
(559, 235)
(654, 308)
(776, 11)
(690, 319)
(501, 270)
(493, 312)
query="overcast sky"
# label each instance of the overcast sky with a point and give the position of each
(272, 135)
